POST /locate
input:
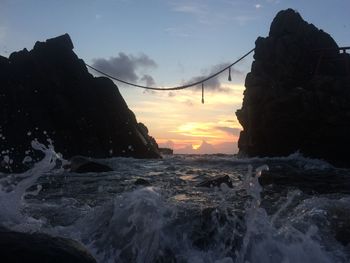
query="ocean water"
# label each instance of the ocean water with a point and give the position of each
(288, 209)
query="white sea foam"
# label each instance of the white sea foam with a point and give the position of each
(264, 241)
(13, 187)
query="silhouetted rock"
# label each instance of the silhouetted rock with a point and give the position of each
(217, 181)
(297, 94)
(48, 93)
(22, 247)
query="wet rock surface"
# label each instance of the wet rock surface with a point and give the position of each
(18, 247)
(48, 94)
(216, 182)
(79, 164)
(297, 94)
(314, 182)
(140, 181)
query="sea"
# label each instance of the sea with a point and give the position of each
(279, 210)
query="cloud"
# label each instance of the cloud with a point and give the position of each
(214, 83)
(178, 32)
(227, 147)
(148, 79)
(190, 8)
(208, 148)
(168, 144)
(244, 19)
(171, 94)
(201, 12)
(125, 66)
(186, 150)
(188, 103)
(219, 15)
(229, 130)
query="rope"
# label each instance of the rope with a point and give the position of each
(173, 88)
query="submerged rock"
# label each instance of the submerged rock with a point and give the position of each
(297, 94)
(141, 181)
(217, 181)
(23, 247)
(167, 151)
(314, 181)
(79, 164)
(48, 94)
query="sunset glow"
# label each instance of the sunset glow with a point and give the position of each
(170, 43)
(183, 123)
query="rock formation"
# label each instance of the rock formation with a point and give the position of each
(35, 247)
(297, 94)
(166, 151)
(48, 94)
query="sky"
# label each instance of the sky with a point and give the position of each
(165, 43)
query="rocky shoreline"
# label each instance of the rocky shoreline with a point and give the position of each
(37, 247)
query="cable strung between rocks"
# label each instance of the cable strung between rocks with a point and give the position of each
(173, 88)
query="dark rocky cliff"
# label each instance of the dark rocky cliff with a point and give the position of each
(48, 93)
(297, 94)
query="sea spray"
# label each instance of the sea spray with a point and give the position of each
(130, 228)
(254, 214)
(265, 242)
(174, 221)
(13, 187)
